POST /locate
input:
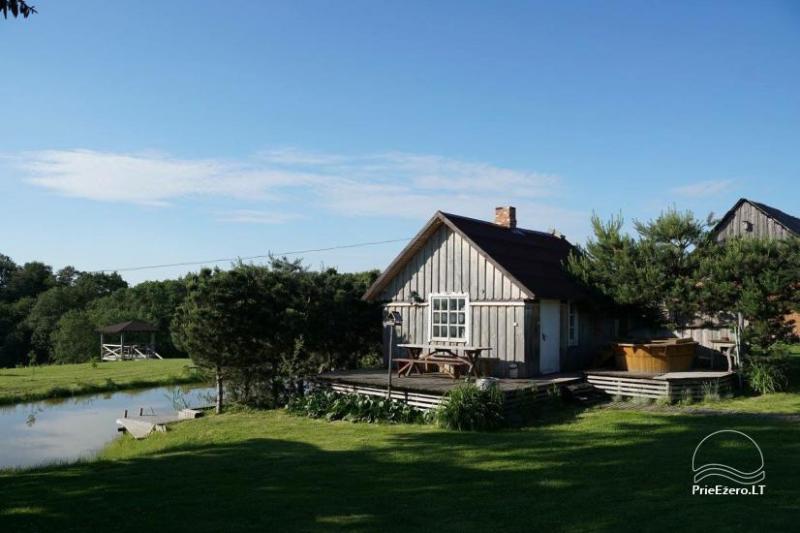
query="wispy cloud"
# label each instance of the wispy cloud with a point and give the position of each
(702, 189)
(151, 179)
(253, 216)
(269, 184)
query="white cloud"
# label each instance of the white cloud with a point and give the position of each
(149, 178)
(254, 216)
(391, 184)
(702, 189)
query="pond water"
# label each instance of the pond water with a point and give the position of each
(66, 430)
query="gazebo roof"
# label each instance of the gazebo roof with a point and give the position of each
(132, 326)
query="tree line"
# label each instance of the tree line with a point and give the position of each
(261, 330)
(672, 272)
(53, 317)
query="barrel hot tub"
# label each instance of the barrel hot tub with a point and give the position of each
(655, 355)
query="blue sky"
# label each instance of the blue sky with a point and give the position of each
(142, 133)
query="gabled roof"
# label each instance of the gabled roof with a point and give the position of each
(787, 221)
(132, 326)
(531, 259)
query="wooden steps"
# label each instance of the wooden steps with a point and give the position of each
(585, 394)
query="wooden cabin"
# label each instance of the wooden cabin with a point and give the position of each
(754, 220)
(751, 219)
(748, 220)
(471, 282)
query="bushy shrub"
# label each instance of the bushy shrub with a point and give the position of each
(663, 401)
(687, 396)
(527, 405)
(323, 403)
(642, 401)
(370, 360)
(469, 408)
(766, 375)
(711, 391)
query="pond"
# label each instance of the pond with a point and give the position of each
(66, 430)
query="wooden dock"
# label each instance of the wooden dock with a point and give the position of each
(143, 425)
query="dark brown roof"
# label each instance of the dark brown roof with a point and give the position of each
(132, 326)
(791, 223)
(788, 221)
(532, 259)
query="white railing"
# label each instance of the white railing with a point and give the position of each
(120, 352)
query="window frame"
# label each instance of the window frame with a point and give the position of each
(573, 324)
(467, 315)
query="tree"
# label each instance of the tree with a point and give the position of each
(225, 323)
(756, 279)
(7, 269)
(75, 291)
(342, 328)
(667, 247)
(75, 339)
(17, 8)
(30, 280)
(651, 275)
(44, 316)
(152, 301)
(673, 273)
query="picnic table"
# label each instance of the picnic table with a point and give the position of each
(453, 358)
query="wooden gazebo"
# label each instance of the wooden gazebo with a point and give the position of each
(122, 351)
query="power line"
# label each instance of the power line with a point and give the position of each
(264, 256)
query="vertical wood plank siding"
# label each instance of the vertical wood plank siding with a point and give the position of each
(764, 227)
(448, 263)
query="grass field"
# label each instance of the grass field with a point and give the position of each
(600, 470)
(58, 381)
(786, 402)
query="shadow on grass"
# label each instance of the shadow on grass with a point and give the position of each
(620, 472)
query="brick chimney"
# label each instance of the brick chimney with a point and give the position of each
(506, 216)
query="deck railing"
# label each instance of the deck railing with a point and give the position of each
(120, 352)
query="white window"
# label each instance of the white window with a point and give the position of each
(573, 324)
(448, 317)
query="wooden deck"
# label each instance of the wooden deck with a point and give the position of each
(438, 384)
(672, 385)
(427, 390)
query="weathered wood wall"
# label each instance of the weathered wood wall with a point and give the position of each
(498, 312)
(595, 331)
(501, 327)
(763, 227)
(447, 263)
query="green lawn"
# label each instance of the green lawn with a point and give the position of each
(601, 470)
(54, 381)
(787, 402)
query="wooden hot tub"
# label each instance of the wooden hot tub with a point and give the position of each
(656, 355)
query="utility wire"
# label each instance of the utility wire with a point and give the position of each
(230, 259)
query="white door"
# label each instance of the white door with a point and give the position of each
(549, 336)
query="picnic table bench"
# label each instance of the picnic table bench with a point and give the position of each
(452, 358)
